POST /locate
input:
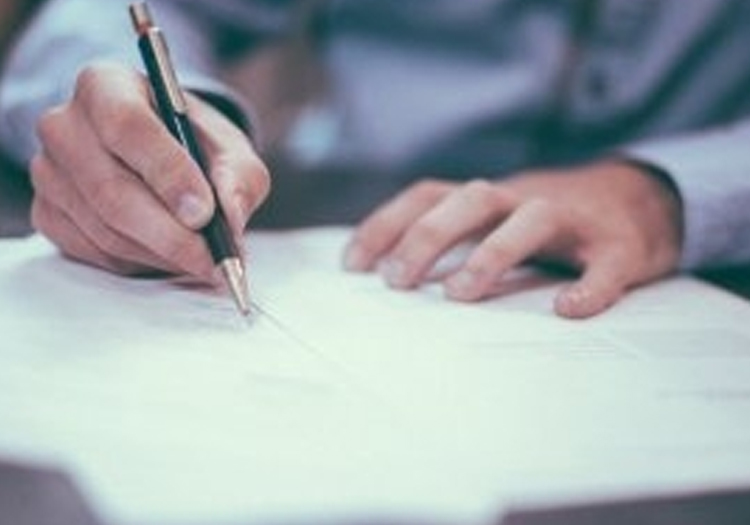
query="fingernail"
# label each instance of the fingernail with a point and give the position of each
(394, 272)
(463, 285)
(573, 302)
(192, 211)
(355, 259)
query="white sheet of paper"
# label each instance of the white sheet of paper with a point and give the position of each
(346, 398)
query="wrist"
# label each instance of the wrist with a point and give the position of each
(658, 198)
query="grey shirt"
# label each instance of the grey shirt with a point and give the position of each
(463, 88)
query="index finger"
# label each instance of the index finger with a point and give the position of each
(382, 229)
(116, 102)
(525, 233)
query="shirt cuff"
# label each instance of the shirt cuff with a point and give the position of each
(226, 100)
(711, 172)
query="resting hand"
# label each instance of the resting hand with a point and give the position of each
(114, 189)
(619, 226)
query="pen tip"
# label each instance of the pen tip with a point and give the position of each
(234, 274)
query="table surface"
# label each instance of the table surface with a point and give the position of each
(16, 194)
(15, 198)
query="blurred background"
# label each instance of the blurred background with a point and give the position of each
(15, 191)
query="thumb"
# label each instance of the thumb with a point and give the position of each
(604, 281)
(241, 187)
(240, 177)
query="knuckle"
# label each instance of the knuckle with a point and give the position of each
(376, 231)
(102, 192)
(428, 190)
(87, 83)
(51, 127)
(37, 163)
(262, 179)
(92, 79)
(110, 99)
(255, 183)
(542, 210)
(479, 186)
(52, 185)
(482, 195)
(118, 121)
(170, 170)
(506, 195)
(492, 254)
(542, 205)
(39, 217)
(426, 233)
(39, 170)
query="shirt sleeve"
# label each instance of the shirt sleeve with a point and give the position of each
(66, 35)
(711, 172)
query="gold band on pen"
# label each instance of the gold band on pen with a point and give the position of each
(144, 26)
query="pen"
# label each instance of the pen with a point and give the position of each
(172, 107)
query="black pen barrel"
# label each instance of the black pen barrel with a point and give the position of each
(172, 107)
(216, 232)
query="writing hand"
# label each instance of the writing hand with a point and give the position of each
(114, 189)
(617, 225)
